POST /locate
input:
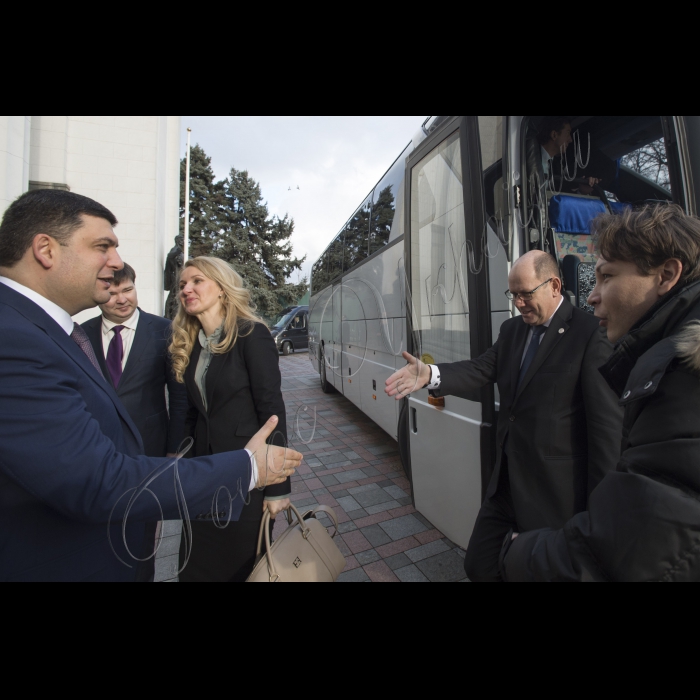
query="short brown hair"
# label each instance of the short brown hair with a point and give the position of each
(53, 212)
(649, 237)
(126, 273)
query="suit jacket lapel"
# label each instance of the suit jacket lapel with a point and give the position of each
(518, 348)
(556, 331)
(94, 333)
(142, 337)
(34, 314)
(217, 362)
(192, 387)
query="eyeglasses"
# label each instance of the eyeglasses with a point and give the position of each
(526, 296)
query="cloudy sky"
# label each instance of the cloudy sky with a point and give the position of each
(335, 162)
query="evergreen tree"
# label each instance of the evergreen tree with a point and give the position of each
(206, 200)
(230, 220)
(258, 246)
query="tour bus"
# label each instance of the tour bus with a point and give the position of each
(422, 266)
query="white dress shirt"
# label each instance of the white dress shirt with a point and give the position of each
(64, 320)
(435, 372)
(58, 314)
(546, 161)
(128, 334)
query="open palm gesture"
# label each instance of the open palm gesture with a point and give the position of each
(413, 377)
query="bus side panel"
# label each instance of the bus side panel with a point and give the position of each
(315, 310)
(377, 366)
(448, 443)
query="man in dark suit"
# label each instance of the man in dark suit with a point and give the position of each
(559, 428)
(132, 350)
(71, 456)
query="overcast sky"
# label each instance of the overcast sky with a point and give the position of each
(335, 162)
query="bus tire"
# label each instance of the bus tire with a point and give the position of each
(326, 386)
(286, 348)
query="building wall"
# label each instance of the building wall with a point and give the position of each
(128, 164)
(14, 158)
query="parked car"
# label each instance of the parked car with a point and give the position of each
(291, 330)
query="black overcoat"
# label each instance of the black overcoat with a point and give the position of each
(244, 388)
(643, 521)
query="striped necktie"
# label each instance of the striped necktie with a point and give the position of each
(83, 342)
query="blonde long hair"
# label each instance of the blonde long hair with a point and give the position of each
(239, 314)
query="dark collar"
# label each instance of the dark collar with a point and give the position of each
(661, 321)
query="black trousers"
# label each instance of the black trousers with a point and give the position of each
(220, 556)
(496, 518)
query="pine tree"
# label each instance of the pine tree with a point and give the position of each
(258, 246)
(206, 200)
(230, 220)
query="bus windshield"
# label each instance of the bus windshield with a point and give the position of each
(283, 320)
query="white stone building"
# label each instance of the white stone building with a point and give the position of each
(129, 164)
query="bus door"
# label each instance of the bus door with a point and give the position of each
(448, 316)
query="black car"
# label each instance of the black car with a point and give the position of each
(291, 330)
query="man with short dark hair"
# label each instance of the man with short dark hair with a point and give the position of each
(553, 445)
(132, 349)
(643, 520)
(72, 458)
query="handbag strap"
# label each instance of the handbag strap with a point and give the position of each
(331, 512)
(274, 577)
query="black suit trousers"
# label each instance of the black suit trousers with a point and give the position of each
(495, 520)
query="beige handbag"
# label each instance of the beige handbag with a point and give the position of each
(303, 553)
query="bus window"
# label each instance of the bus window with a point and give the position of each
(491, 140)
(438, 254)
(387, 208)
(335, 257)
(604, 164)
(356, 236)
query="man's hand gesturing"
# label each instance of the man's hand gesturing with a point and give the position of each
(413, 377)
(275, 464)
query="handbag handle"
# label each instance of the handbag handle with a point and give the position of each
(331, 512)
(265, 529)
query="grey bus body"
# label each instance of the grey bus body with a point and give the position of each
(422, 266)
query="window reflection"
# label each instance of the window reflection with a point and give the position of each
(356, 235)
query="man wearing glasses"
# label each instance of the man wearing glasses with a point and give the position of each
(559, 427)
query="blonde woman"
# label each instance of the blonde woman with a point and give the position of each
(227, 359)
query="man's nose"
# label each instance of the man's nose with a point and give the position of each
(115, 262)
(518, 301)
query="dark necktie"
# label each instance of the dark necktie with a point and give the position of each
(83, 342)
(115, 355)
(537, 333)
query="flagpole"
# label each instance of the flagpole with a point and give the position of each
(186, 246)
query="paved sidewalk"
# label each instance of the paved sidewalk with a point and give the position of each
(353, 466)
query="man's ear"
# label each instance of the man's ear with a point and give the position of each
(670, 272)
(556, 286)
(44, 250)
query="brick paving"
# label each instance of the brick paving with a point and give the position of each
(352, 465)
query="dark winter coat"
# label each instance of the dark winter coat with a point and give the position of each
(643, 520)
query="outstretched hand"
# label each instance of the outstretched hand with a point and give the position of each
(413, 377)
(275, 464)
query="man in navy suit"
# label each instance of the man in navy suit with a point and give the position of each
(71, 456)
(131, 347)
